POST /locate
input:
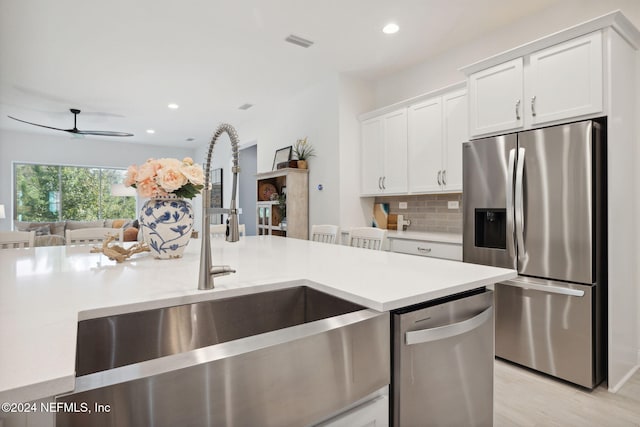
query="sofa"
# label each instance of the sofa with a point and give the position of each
(52, 233)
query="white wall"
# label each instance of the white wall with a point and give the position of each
(62, 149)
(312, 113)
(356, 97)
(443, 70)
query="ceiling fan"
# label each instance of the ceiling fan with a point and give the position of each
(75, 130)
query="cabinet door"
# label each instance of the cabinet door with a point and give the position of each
(426, 248)
(565, 80)
(455, 132)
(372, 152)
(425, 146)
(394, 179)
(495, 97)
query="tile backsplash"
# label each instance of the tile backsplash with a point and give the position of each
(428, 212)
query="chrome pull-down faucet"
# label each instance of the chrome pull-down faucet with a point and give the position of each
(207, 270)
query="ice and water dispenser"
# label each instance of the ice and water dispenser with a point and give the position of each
(491, 228)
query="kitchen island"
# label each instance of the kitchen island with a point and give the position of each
(46, 291)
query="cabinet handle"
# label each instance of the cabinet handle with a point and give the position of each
(439, 177)
(424, 250)
(444, 177)
(384, 186)
(533, 106)
(379, 183)
(518, 110)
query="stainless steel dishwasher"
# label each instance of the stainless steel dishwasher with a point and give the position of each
(443, 354)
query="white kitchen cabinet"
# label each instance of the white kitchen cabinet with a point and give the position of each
(565, 80)
(455, 133)
(437, 129)
(384, 154)
(560, 82)
(425, 151)
(427, 248)
(495, 98)
(372, 164)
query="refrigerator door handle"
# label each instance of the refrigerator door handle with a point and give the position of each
(509, 200)
(545, 288)
(519, 203)
(442, 332)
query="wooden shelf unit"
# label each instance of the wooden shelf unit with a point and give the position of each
(268, 218)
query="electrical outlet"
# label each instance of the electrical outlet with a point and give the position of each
(453, 204)
(402, 205)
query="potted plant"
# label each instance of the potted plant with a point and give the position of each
(303, 150)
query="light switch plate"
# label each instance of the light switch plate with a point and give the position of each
(402, 205)
(453, 204)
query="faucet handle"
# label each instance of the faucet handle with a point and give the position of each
(221, 270)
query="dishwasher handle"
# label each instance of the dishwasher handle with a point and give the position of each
(447, 331)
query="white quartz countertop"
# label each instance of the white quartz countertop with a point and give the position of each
(45, 291)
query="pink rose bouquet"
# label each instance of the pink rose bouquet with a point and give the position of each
(161, 177)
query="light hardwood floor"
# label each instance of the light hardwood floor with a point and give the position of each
(525, 398)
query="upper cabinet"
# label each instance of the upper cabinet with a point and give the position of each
(560, 82)
(384, 154)
(425, 146)
(415, 147)
(565, 80)
(437, 129)
(495, 98)
(455, 133)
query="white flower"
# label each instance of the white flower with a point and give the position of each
(194, 174)
(170, 178)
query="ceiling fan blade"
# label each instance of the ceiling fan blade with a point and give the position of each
(101, 133)
(76, 131)
(42, 126)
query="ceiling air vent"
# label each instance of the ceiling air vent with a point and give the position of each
(245, 106)
(298, 41)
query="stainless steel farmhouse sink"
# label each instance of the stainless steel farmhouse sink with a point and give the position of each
(286, 357)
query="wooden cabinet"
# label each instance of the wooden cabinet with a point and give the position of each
(560, 82)
(270, 218)
(384, 154)
(437, 127)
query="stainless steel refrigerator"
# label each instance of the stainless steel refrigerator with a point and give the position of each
(535, 201)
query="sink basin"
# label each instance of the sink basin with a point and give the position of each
(293, 357)
(110, 342)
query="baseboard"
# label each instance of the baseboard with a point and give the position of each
(617, 387)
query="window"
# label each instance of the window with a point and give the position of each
(56, 193)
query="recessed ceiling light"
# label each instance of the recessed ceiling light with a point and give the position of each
(390, 28)
(151, 131)
(173, 106)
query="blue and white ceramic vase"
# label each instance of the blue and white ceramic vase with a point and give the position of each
(166, 226)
